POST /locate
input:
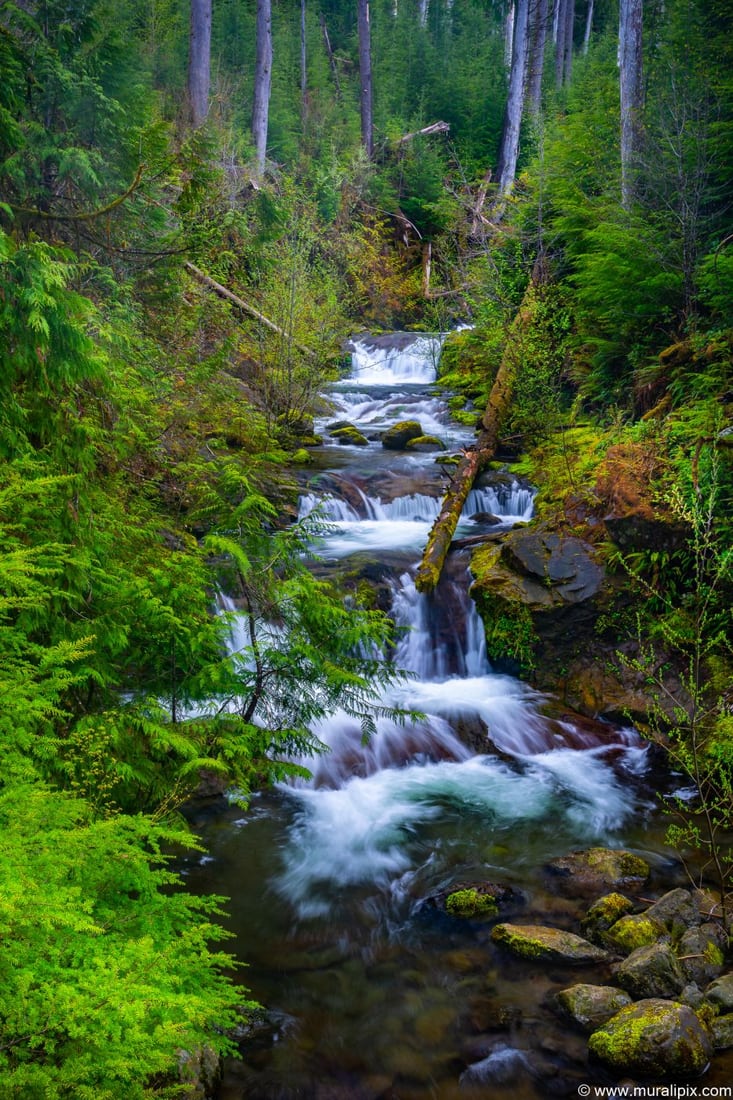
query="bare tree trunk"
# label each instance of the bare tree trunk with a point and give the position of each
(365, 76)
(631, 91)
(422, 11)
(556, 5)
(331, 58)
(263, 79)
(303, 66)
(562, 22)
(509, 150)
(588, 26)
(567, 69)
(509, 36)
(199, 61)
(539, 19)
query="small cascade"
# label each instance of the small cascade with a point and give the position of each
(401, 358)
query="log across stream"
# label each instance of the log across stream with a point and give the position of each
(372, 989)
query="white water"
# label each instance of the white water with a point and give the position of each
(374, 362)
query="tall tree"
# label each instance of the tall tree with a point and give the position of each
(199, 61)
(588, 26)
(365, 76)
(509, 35)
(263, 80)
(509, 149)
(539, 16)
(631, 90)
(568, 40)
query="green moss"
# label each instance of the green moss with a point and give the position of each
(470, 903)
(302, 457)
(350, 435)
(423, 440)
(628, 933)
(607, 911)
(714, 955)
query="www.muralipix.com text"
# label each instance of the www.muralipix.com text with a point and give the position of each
(642, 1092)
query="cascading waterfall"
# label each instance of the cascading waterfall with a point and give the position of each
(484, 786)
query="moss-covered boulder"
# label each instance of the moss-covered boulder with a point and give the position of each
(590, 1006)
(424, 444)
(652, 971)
(636, 930)
(349, 436)
(471, 903)
(702, 953)
(653, 1038)
(723, 1032)
(604, 913)
(598, 869)
(720, 993)
(399, 435)
(677, 910)
(302, 457)
(534, 941)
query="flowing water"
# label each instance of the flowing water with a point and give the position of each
(336, 884)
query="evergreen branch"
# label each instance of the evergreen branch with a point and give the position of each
(87, 215)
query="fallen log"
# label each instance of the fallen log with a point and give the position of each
(229, 296)
(476, 458)
(434, 128)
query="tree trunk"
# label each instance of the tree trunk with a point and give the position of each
(509, 151)
(263, 79)
(303, 67)
(365, 77)
(631, 92)
(567, 69)
(539, 18)
(422, 11)
(331, 58)
(588, 27)
(556, 5)
(562, 7)
(199, 61)
(509, 36)
(475, 459)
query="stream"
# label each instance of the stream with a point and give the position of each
(372, 989)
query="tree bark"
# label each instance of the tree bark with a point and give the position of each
(509, 150)
(567, 69)
(556, 5)
(422, 12)
(477, 458)
(631, 92)
(365, 76)
(509, 36)
(199, 61)
(263, 79)
(588, 26)
(539, 16)
(303, 66)
(562, 6)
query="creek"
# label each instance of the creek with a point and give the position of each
(336, 884)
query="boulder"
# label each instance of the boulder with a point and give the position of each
(534, 941)
(637, 930)
(652, 971)
(471, 903)
(653, 1038)
(701, 952)
(349, 436)
(603, 913)
(424, 444)
(677, 910)
(720, 993)
(590, 1006)
(723, 1032)
(596, 869)
(399, 435)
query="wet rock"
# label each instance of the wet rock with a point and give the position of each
(501, 1067)
(701, 953)
(652, 971)
(637, 930)
(471, 903)
(590, 1006)
(350, 436)
(596, 869)
(692, 995)
(604, 913)
(566, 565)
(654, 1038)
(424, 444)
(200, 1072)
(398, 436)
(720, 993)
(534, 941)
(677, 910)
(708, 904)
(723, 1032)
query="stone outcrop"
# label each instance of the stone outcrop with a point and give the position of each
(598, 869)
(534, 941)
(653, 1038)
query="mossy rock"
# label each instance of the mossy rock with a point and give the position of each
(720, 993)
(652, 971)
(471, 903)
(637, 930)
(534, 941)
(448, 460)
(702, 953)
(425, 443)
(350, 436)
(677, 910)
(653, 1038)
(591, 1006)
(597, 868)
(723, 1032)
(302, 457)
(602, 914)
(399, 435)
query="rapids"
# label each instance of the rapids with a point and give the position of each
(371, 990)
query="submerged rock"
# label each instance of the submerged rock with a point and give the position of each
(590, 1006)
(652, 971)
(424, 444)
(654, 1038)
(501, 1067)
(349, 436)
(399, 435)
(597, 869)
(534, 941)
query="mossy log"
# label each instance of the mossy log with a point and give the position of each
(477, 457)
